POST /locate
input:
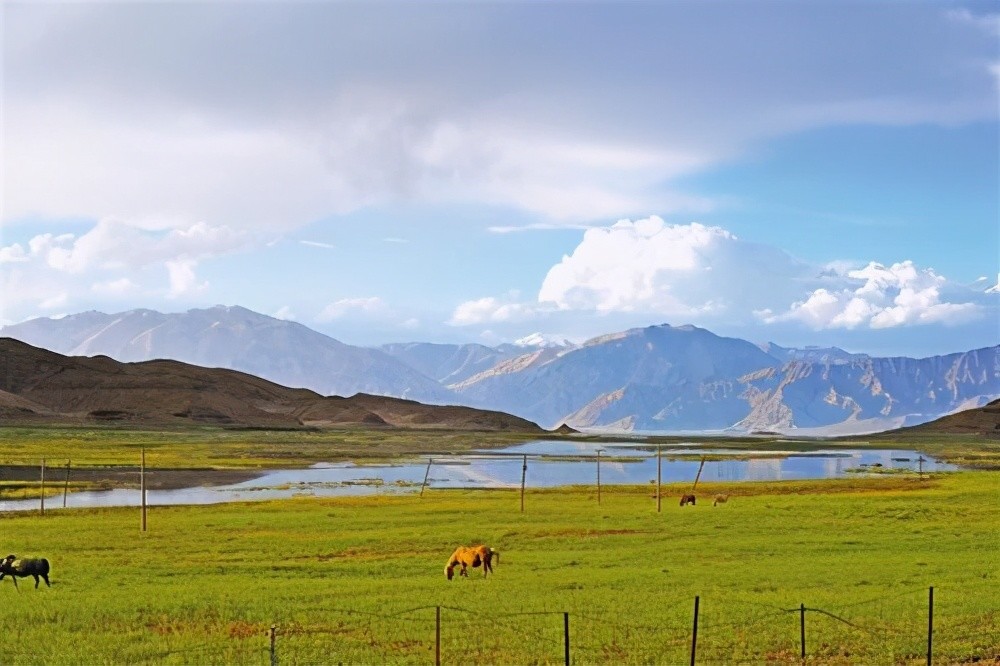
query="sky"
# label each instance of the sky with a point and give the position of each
(814, 173)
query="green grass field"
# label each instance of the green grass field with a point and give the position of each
(357, 580)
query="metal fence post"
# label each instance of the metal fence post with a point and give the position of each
(659, 459)
(566, 635)
(524, 472)
(66, 485)
(43, 488)
(426, 474)
(274, 652)
(437, 638)
(694, 633)
(930, 625)
(802, 623)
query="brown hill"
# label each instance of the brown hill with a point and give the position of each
(39, 386)
(982, 421)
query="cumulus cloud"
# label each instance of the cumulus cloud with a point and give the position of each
(114, 257)
(670, 269)
(707, 275)
(880, 297)
(490, 309)
(366, 305)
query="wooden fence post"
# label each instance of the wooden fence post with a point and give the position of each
(598, 476)
(659, 466)
(524, 472)
(426, 474)
(142, 486)
(66, 486)
(43, 488)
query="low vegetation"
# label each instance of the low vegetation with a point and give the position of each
(357, 580)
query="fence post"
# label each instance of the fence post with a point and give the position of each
(802, 623)
(694, 634)
(930, 625)
(598, 476)
(437, 638)
(66, 486)
(566, 635)
(426, 474)
(43, 488)
(524, 472)
(659, 458)
(142, 486)
(274, 652)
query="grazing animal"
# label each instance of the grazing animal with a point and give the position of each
(687, 499)
(19, 568)
(720, 499)
(471, 556)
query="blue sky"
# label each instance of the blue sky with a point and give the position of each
(804, 173)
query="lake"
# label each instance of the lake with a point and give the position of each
(549, 463)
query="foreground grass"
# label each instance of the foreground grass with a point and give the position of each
(357, 580)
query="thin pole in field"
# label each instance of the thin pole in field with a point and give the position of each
(930, 625)
(437, 638)
(659, 468)
(598, 476)
(66, 485)
(566, 635)
(142, 486)
(426, 474)
(694, 632)
(524, 473)
(698, 476)
(802, 624)
(43, 488)
(274, 652)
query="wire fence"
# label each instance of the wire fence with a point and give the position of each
(887, 629)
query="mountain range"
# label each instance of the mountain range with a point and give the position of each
(40, 386)
(658, 378)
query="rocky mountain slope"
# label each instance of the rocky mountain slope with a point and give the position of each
(40, 386)
(658, 378)
(236, 338)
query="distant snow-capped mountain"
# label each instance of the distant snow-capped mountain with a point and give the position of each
(658, 378)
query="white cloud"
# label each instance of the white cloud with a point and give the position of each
(367, 305)
(285, 313)
(556, 127)
(880, 297)
(10, 254)
(675, 270)
(182, 278)
(114, 287)
(328, 246)
(490, 309)
(410, 324)
(55, 301)
(706, 275)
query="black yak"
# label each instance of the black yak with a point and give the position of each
(19, 568)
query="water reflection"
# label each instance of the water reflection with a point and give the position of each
(549, 464)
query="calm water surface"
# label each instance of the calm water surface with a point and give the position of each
(549, 464)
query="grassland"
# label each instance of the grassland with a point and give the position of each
(214, 448)
(357, 580)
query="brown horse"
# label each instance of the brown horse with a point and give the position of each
(720, 499)
(687, 499)
(471, 556)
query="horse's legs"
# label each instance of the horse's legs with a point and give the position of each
(47, 583)
(35, 576)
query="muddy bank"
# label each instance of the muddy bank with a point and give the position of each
(128, 477)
